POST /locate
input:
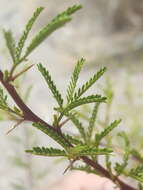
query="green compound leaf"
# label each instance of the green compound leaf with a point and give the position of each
(119, 168)
(89, 83)
(51, 133)
(84, 100)
(70, 10)
(51, 85)
(106, 131)
(74, 78)
(78, 124)
(137, 173)
(93, 119)
(123, 135)
(135, 153)
(3, 101)
(5, 107)
(26, 32)
(72, 152)
(108, 91)
(10, 43)
(44, 151)
(73, 140)
(59, 21)
(84, 150)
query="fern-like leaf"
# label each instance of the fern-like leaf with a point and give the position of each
(89, 83)
(51, 133)
(78, 124)
(5, 107)
(84, 100)
(59, 21)
(137, 173)
(136, 154)
(84, 150)
(3, 101)
(74, 78)
(92, 119)
(73, 140)
(51, 84)
(119, 168)
(123, 135)
(10, 43)
(44, 151)
(26, 32)
(70, 10)
(106, 131)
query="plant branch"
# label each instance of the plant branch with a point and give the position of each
(27, 113)
(105, 173)
(30, 116)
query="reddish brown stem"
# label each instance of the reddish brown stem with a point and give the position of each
(105, 173)
(30, 116)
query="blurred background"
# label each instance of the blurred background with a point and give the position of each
(106, 33)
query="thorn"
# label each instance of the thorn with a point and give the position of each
(64, 122)
(69, 166)
(16, 125)
(20, 73)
